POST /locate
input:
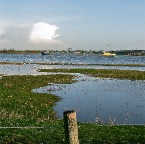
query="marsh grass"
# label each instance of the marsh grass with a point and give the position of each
(55, 63)
(104, 73)
(20, 107)
(19, 102)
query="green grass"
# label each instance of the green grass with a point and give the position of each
(89, 133)
(22, 107)
(104, 73)
(93, 134)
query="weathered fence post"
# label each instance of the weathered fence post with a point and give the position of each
(71, 129)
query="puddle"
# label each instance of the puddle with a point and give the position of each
(96, 99)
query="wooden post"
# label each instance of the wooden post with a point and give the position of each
(71, 129)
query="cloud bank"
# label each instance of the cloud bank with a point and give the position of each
(26, 35)
(1, 31)
(44, 32)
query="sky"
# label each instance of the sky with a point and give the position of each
(77, 24)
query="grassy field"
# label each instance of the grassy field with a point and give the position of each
(20, 107)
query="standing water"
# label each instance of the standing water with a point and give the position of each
(101, 100)
(95, 99)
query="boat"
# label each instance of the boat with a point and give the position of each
(45, 52)
(108, 54)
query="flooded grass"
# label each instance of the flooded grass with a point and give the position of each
(104, 73)
(54, 63)
(20, 107)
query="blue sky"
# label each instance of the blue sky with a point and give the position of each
(79, 24)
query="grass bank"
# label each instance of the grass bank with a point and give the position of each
(21, 107)
(54, 63)
(104, 73)
(19, 103)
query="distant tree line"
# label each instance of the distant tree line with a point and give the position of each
(130, 52)
(12, 51)
(118, 52)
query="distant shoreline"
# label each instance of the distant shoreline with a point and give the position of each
(18, 52)
(118, 52)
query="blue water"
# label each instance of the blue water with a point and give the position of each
(72, 59)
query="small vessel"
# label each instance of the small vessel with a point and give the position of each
(108, 54)
(45, 52)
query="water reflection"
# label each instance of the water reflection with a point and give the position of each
(106, 100)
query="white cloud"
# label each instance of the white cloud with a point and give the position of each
(44, 32)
